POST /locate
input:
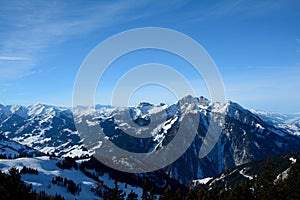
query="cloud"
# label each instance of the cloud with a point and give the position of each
(29, 28)
(233, 8)
(12, 68)
(12, 58)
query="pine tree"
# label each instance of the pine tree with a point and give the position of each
(190, 195)
(145, 195)
(178, 194)
(12, 187)
(235, 192)
(213, 194)
(265, 183)
(246, 193)
(223, 194)
(116, 194)
(280, 189)
(200, 193)
(152, 196)
(293, 181)
(166, 195)
(132, 196)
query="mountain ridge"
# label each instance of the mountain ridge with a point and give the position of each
(244, 135)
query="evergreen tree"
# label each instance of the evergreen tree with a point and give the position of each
(213, 194)
(293, 181)
(116, 194)
(235, 192)
(190, 195)
(246, 193)
(200, 193)
(280, 189)
(223, 194)
(152, 196)
(12, 188)
(145, 194)
(265, 184)
(15, 188)
(166, 195)
(132, 196)
(177, 194)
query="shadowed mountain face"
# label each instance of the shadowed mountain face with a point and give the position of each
(253, 169)
(241, 136)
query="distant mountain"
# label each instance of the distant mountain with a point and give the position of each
(289, 122)
(48, 129)
(244, 135)
(12, 149)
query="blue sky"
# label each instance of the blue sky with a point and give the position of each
(255, 44)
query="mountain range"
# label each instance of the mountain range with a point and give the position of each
(244, 135)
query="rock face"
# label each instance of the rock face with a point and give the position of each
(146, 128)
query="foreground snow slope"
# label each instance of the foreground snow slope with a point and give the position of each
(48, 169)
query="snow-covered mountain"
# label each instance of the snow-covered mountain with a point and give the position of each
(48, 129)
(289, 122)
(244, 135)
(12, 149)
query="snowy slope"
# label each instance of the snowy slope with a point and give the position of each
(12, 149)
(45, 128)
(48, 169)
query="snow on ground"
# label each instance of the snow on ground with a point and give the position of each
(201, 181)
(297, 133)
(169, 124)
(282, 175)
(74, 151)
(242, 172)
(157, 109)
(12, 149)
(122, 186)
(9, 152)
(47, 170)
(293, 160)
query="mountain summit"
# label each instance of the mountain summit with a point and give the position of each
(243, 136)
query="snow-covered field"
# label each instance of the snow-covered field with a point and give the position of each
(48, 170)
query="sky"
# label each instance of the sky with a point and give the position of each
(254, 44)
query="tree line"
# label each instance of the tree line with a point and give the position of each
(267, 186)
(12, 188)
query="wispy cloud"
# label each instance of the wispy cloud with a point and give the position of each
(12, 69)
(298, 42)
(28, 28)
(241, 8)
(12, 58)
